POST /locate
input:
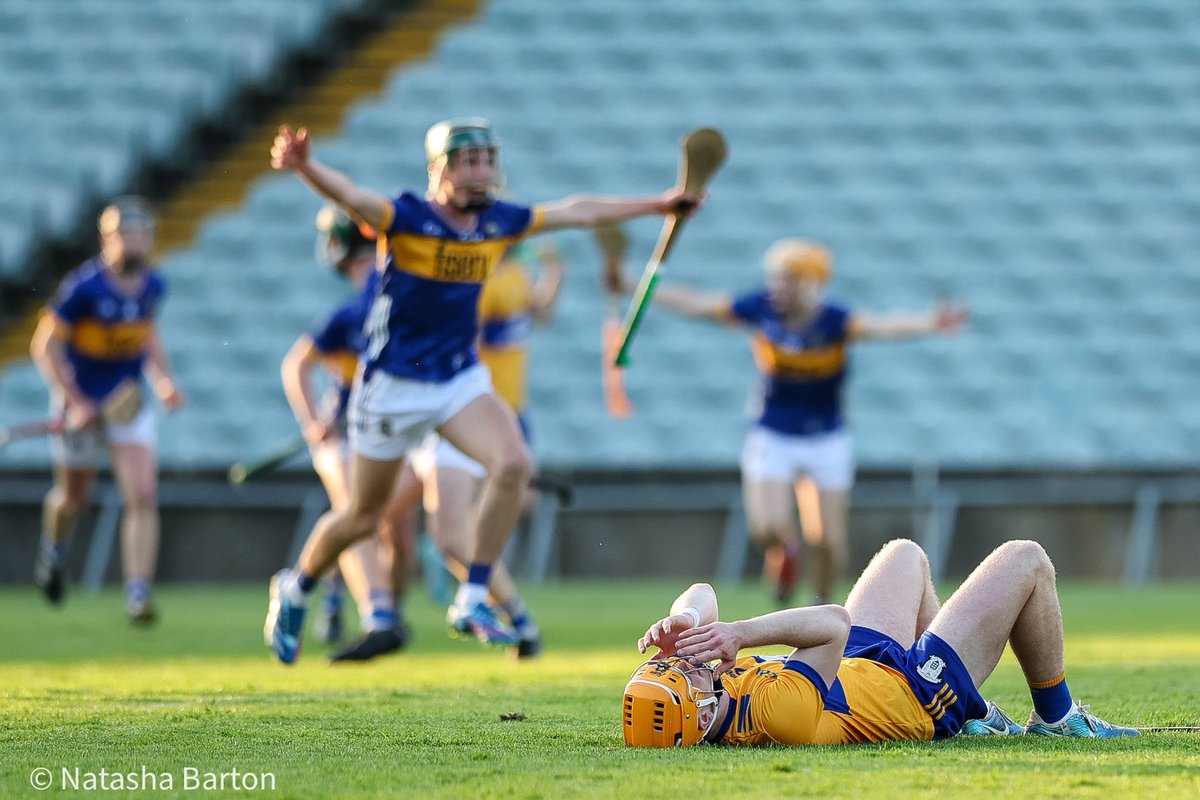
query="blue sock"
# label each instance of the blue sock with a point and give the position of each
(56, 552)
(137, 590)
(479, 574)
(333, 600)
(1052, 699)
(305, 582)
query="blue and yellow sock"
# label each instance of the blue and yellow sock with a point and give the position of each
(1052, 699)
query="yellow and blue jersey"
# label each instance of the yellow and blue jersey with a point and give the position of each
(506, 321)
(107, 330)
(777, 700)
(803, 367)
(340, 340)
(424, 322)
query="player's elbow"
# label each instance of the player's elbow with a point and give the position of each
(838, 622)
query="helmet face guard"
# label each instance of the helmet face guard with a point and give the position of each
(447, 139)
(662, 704)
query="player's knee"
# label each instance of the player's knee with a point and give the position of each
(1029, 553)
(513, 466)
(142, 499)
(769, 532)
(906, 548)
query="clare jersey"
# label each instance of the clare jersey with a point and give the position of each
(803, 367)
(776, 700)
(506, 320)
(340, 340)
(424, 322)
(107, 329)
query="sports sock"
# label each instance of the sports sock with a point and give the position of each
(518, 614)
(1052, 699)
(474, 590)
(299, 589)
(137, 590)
(56, 552)
(383, 612)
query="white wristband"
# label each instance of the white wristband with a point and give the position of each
(694, 614)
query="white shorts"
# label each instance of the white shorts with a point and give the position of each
(827, 458)
(390, 416)
(436, 453)
(83, 448)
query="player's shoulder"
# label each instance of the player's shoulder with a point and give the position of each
(410, 209)
(834, 312)
(755, 304)
(85, 276)
(506, 216)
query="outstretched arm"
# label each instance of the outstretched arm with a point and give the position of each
(291, 152)
(945, 319)
(588, 212)
(549, 282)
(818, 634)
(680, 299)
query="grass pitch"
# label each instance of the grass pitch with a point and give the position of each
(198, 697)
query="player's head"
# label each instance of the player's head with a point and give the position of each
(669, 703)
(464, 163)
(340, 243)
(797, 272)
(126, 228)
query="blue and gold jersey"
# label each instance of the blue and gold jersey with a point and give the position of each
(340, 341)
(506, 318)
(425, 320)
(777, 700)
(107, 330)
(803, 368)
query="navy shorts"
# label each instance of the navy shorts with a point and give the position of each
(934, 672)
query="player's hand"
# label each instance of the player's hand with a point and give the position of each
(664, 634)
(290, 150)
(718, 640)
(950, 319)
(677, 201)
(169, 394)
(80, 413)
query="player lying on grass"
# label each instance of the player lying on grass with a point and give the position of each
(892, 664)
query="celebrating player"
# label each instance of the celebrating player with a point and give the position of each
(336, 344)
(421, 369)
(798, 445)
(91, 347)
(892, 664)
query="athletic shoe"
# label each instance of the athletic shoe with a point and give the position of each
(327, 627)
(1080, 723)
(141, 612)
(482, 623)
(375, 643)
(529, 646)
(283, 630)
(996, 723)
(50, 576)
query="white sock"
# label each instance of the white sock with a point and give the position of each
(470, 595)
(291, 590)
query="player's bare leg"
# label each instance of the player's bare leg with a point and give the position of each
(1012, 597)
(487, 431)
(136, 471)
(370, 486)
(895, 593)
(770, 515)
(399, 528)
(64, 503)
(823, 520)
(450, 503)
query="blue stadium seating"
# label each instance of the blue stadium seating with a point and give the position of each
(1035, 158)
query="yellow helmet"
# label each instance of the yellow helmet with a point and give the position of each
(801, 258)
(662, 705)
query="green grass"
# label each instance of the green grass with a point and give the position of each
(79, 688)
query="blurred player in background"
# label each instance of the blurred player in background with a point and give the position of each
(92, 345)
(798, 450)
(510, 304)
(376, 568)
(892, 665)
(421, 370)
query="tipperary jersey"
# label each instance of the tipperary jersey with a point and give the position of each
(107, 330)
(425, 319)
(780, 701)
(803, 368)
(341, 339)
(506, 320)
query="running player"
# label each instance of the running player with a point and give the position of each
(92, 344)
(798, 446)
(421, 369)
(892, 664)
(336, 345)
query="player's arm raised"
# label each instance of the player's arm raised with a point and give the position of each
(291, 152)
(945, 319)
(818, 634)
(696, 606)
(588, 212)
